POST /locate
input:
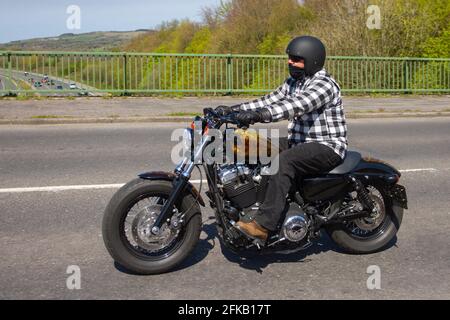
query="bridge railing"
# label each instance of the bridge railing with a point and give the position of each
(156, 73)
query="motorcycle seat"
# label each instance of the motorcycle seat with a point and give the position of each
(351, 160)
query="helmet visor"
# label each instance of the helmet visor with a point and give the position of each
(296, 58)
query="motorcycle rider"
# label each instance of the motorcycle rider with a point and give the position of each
(317, 133)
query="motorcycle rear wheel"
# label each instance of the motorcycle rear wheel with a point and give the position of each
(357, 236)
(127, 222)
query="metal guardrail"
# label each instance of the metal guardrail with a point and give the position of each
(153, 73)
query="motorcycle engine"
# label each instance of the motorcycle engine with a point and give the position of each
(241, 185)
(244, 187)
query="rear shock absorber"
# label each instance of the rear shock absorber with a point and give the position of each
(363, 195)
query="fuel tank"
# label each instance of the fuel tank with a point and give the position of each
(250, 144)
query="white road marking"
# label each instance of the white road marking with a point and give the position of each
(119, 185)
(61, 188)
(14, 83)
(70, 188)
(198, 181)
(418, 170)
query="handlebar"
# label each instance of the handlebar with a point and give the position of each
(210, 114)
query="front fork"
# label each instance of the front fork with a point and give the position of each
(180, 184)
(183, 173)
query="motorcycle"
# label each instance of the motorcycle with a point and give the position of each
(153, 223)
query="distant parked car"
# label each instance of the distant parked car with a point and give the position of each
(37, 84)
(60, 87)
(26, 74)
(73, 86)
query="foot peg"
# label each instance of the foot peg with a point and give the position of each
(259, 243)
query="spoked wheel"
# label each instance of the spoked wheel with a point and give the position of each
(369, 234)
(128, 220)
(370, 227)
(137, 229)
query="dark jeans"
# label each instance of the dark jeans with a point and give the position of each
(295, 162)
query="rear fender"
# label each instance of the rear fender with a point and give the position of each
(168, 176)
(370, 170)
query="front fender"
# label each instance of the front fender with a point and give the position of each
(168, 176)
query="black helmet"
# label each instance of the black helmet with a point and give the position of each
(311, 49)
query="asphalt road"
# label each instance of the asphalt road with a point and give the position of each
(20, 76)
(6, 83)
(42, 233)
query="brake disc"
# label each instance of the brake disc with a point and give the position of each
(141, 230)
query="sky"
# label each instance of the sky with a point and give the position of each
(25, 19)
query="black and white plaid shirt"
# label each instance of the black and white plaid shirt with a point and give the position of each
(314, 108)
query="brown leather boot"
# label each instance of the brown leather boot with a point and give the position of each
(253, 230)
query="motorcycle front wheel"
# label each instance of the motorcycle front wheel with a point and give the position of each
(128, 220)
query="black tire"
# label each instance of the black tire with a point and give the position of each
(114, 235)
(379, 240)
